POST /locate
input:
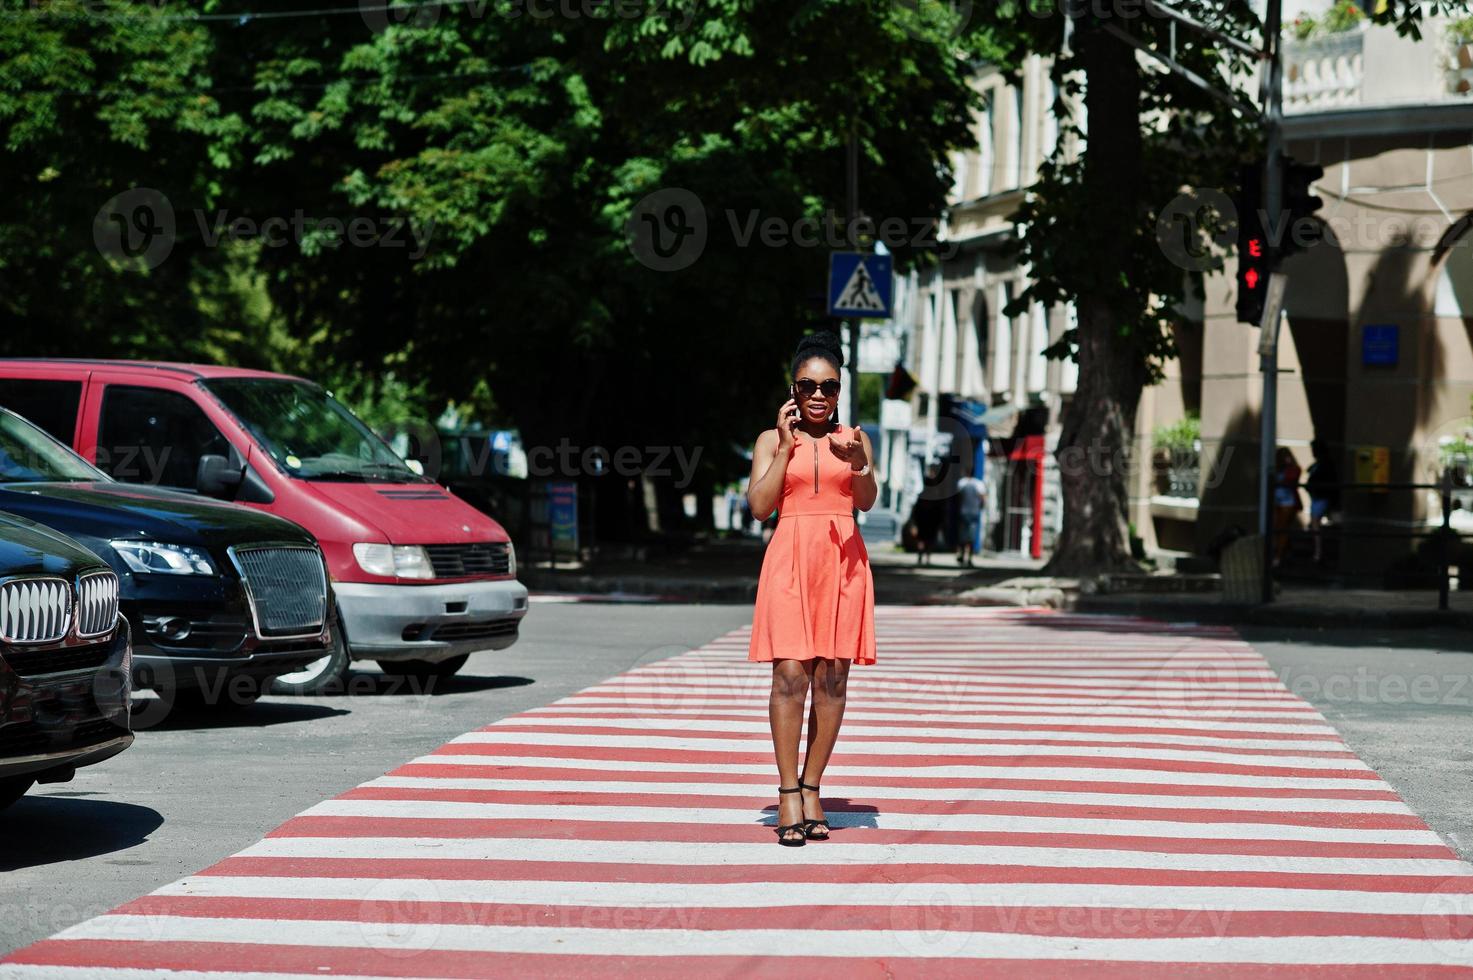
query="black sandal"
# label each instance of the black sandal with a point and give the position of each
(811, 825)
(800, 825)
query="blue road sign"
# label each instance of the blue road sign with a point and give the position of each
(860, 284)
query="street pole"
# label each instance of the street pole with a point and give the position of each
(852, 211)
(1271, 97)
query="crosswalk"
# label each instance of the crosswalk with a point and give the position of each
(1014, 793)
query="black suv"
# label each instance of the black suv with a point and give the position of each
(64, 659)
(222, 598)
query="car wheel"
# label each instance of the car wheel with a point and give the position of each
(324, 675)
(424, 668)
(13, 789)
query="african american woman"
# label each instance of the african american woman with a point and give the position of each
(815, 613)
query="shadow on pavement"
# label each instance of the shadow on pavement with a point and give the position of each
(150, 714)
(50, 825)
(842, 814)
(1438, 638)
(396, 685)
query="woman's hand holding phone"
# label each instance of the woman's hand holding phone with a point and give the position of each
(787, 420)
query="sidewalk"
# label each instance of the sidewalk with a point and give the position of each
(1294, 606)
(725, 571)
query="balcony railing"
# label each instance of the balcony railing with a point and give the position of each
(1324, 72)
(1371, 66)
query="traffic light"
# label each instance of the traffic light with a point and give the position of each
(1300, 231)
(1253, 250)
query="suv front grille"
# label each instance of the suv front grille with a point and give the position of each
(462, 560)
(287, 587)
(35, 663)
(35, 610)
(31, 738)
(97, 604)
(476, 631)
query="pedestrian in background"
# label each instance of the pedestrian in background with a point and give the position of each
(1322, 483)
(1287, 502)
(815, 611)
(925, 516)
(972, 499)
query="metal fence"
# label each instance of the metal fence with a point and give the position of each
(1446, 539)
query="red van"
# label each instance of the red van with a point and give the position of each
(421, 578)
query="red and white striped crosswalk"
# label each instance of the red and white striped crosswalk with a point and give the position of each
(1014, 792)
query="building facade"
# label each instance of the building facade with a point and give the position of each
(1376, 361)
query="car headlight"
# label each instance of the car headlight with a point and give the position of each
(511, 559)
(156, 558)
(393, 561)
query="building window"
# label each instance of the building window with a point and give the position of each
(949, 338)
(1050, 121)
(1002, 349)
(1069, 369)
(1038, 340)
(1015, 158)
(959, 189)
(985, 157)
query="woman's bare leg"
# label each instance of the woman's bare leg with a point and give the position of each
(830, 679)
(790, 682)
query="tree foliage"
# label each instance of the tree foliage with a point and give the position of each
(520, 145)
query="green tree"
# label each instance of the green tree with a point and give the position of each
(526, 146)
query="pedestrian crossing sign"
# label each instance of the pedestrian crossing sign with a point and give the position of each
(861, 284)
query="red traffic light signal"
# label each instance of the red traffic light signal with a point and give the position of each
(1253, 251)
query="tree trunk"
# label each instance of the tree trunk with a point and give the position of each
(1093, 453)
(1099, 424)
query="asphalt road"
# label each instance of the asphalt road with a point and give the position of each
(189, 794)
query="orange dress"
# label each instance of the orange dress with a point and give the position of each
(815, 594)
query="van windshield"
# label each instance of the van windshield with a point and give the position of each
(310, 434)
(28, 455)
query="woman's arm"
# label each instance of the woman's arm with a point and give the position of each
(865, 488)
(765, 483)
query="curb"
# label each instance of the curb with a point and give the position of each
(1283, 615)
(674, 590)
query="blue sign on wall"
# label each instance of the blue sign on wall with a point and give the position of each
(1380, 345)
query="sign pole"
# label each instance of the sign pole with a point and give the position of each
(1272, 100)
(1268, 353)
(852, 210)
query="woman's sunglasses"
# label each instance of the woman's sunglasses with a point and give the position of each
(807, 386)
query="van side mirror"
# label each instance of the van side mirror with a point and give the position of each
(218, 477)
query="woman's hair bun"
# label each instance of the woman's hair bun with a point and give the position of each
(822, 341)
